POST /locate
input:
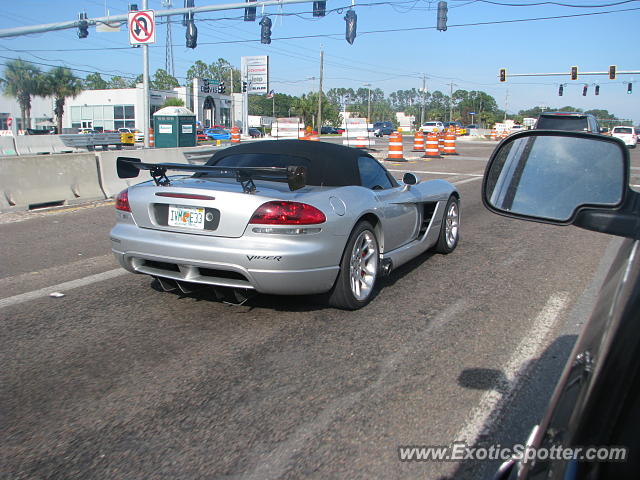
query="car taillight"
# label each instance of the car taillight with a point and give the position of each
(122, 201)
(287, 213)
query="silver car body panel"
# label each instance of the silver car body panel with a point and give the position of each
(301, 260)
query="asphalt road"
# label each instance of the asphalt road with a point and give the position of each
(118, 380)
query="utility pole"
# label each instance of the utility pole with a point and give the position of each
(320, 91)
(424, 92)
(451, 85)
(368, 85)
(146, 124)
(506, 103)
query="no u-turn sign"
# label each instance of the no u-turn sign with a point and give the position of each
(142, 27)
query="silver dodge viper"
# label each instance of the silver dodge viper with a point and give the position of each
(285, 217)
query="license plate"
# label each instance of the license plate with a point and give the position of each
(190, 217)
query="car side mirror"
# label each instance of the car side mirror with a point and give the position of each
(410, 178)
(563, 178)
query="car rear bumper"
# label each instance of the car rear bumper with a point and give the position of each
(277, 264)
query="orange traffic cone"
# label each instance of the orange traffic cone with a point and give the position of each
(235, 135)
(395, 148)
(431, 149)
(418, 141)
(450, 144)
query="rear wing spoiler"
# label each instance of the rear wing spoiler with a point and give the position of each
(294, 175)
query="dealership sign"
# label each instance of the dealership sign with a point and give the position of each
(255, 71)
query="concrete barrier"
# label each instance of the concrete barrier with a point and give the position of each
(7, 146)
(41, 145)
(29, 181)
(110, 182)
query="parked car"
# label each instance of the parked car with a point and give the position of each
(138, 136)
(280, 217)
(217, 134)
(326, 130)
(125, 130)
(382, 128)
(435, 127)
(572, 121)
(581, 179)
(627, 134)
(255, 132)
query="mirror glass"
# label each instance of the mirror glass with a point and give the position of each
(409, 179)
(549, 176)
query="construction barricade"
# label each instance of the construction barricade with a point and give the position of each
(395, 148)
(356, 133)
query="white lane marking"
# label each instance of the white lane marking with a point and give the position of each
(467, 180)
(440, 173)
(44, 292)
(486, 412)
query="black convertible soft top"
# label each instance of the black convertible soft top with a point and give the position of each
(328, 164)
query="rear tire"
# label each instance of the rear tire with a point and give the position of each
(450, 228)
(359, 270)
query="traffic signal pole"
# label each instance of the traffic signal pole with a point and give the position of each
(49, 27)
(146, 124)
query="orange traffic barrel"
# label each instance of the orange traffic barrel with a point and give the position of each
(152, 140)
(418, 141)
(431, 149)
(450, 144)
(395, 148)
(441, 142)
(494, 134)
(313, 137)
(235, 135)
(361, 142)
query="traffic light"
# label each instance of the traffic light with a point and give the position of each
(265, 32)
(442, 16)
(319, 9)
(612, 72)
(503, 74)
(250, 12)
(185, 17)
(352, 22)
(574, 73)
(191, 34)
(221, 88)
(584, 91)
(83, 25)
(629, 88)
(560, 90)
(597, 92)
(244, 87)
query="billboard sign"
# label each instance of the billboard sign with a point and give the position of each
(255, 71)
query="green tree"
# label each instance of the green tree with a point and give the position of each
(61, 84)
(94, 81)
(173, 102)
(119, 82)
(22, 81)
(261, 105)
(163, 81)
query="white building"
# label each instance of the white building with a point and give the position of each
(111, 109)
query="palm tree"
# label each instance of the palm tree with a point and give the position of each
(60, 83)
(22, 81)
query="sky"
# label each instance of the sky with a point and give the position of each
(482, 37)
